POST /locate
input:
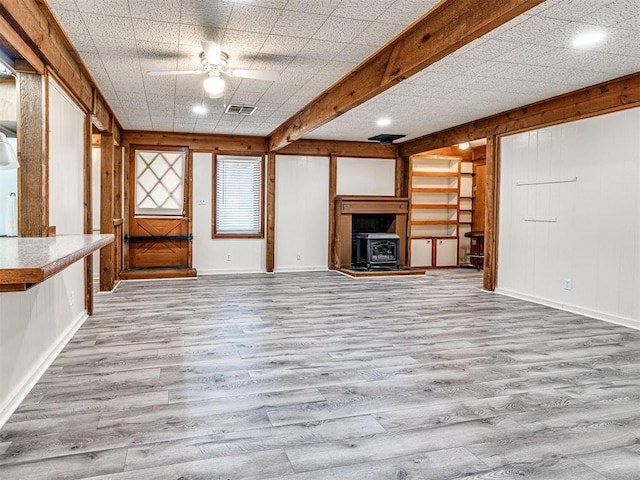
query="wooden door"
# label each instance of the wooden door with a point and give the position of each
(159, 226)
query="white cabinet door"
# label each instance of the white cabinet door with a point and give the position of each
(446, 252)
(420, 252)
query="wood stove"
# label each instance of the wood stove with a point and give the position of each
(377, 250)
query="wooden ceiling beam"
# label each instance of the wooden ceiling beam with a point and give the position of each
(206, 142)
(326, 148)
(448, 26)
(611, 96)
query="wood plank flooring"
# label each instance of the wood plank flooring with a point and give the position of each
(320, 376)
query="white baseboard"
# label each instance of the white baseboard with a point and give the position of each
(234, 271)
(625, 322)
(301, 269)
(20, 392)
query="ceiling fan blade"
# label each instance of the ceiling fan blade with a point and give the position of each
(158, 73)
(268, 75)
(212, 52)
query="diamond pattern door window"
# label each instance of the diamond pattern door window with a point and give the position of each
(159, 182)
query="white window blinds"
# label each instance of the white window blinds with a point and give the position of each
(238, 195)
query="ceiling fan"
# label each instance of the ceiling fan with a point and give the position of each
(214, 65)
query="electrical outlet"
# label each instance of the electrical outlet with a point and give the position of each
(228, 258)
(299, 257)
(567, 284)
(72, 298)
(202, 201)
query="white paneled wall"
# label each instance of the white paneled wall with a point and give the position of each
(8, 203)
(574, 245)
(366, 176)
(211, 256)
(35, 325)
(302, 213)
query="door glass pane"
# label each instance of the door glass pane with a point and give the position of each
(159, 182)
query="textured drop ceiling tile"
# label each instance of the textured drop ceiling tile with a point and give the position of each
(242, 42)
(189, 85)
(71, 21)
(108, 26)
(115, 47)
(322, 49)
(536, 30)
(361, 9)
(83, 43)
(606, 17)
(62, 5)
(524, 53)
(210, 14)
(275, 94)
(405, 12)
(194, 34)
(298, 24)
(106, 7)
(294, 78)
(321, 81)
(491, 49)
(338, 67)
(189, 57)
(278, 45)
(377, 34)
(164, 11)
(623, 42)
(455, 66)
(570, 9)
(323, 7)
(253, 19)
(246, 98)
(271, 62)
(356, 53)
(154, 51)
(307, 65)
(338, 29)
(251, 85)
(159, 32)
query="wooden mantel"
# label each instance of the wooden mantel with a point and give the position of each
(345, 206)
(26, 261)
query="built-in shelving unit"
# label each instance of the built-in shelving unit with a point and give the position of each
(465, 212)
(434, 211)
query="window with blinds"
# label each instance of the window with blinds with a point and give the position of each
(238, 196)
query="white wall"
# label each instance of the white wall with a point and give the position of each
(366, 176)
(212, 256)
(595, 239)
(8, 204)
(35, 325)
(302, 213)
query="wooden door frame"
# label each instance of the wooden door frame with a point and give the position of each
(129, 192)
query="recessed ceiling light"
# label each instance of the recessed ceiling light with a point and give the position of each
(383, 122)
(199, 109)
(464, 146)
(588, 39)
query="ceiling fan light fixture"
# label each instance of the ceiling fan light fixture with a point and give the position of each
(213, 85)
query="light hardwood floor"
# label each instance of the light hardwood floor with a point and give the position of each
(320, 376)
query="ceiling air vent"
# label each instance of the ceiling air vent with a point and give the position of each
(240, 109)
(386, 138)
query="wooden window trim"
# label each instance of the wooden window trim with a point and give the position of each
(214, 212)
